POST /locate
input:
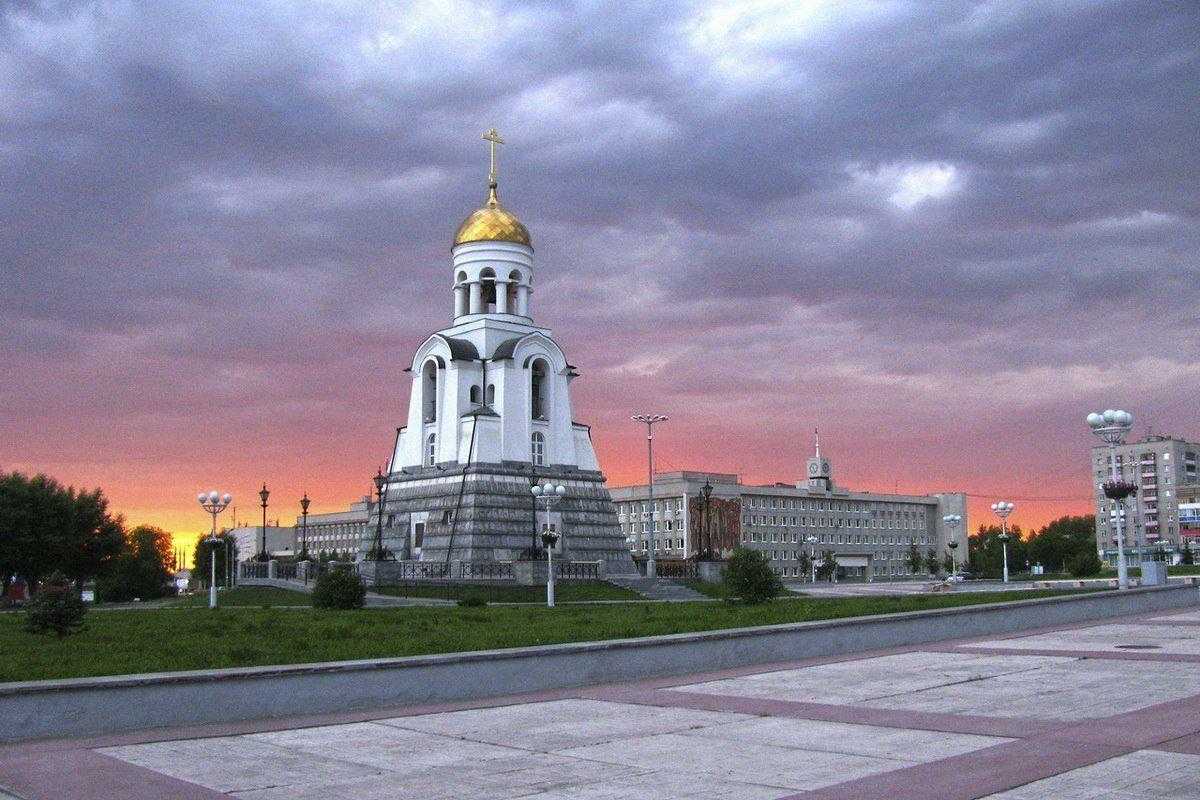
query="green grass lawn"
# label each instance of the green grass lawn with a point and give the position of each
(564, 592)
(247, 596)
(161, 640)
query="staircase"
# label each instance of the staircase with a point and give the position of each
(655, 588)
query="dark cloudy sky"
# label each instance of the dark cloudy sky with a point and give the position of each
(943, 232)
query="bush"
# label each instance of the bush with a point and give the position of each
(750, 577)
(339, 588)
(57, 608)
(473, 600)
(1084, 565)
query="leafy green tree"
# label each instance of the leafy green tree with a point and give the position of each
(985, 552)
(805, 563)
(931, 562)
(57, 608)
(1085, 564)
(203, 553)
(1061, 540)
(948, 563)
(142, 570)
(46, 527)
(1188, 558)
(749, 576)
(828, 565)
(914, 559)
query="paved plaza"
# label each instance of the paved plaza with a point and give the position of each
(1106, 710)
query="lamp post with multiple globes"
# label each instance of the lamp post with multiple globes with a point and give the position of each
(952, 521)
(812, 555)
(548, 494)
(214, 503)
(1111, 426)
(1002, 509)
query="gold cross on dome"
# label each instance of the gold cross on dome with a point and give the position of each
(494, 139)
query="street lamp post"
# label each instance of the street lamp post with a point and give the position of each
(812, 555)
(263, 494)
(304, 501)
(214, 503)
(649, 420)
(1002, 509)
(1112, 426)
(548, 494)
(706, 548)
(952, 521)
(376, 553)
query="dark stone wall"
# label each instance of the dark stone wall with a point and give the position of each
(485, 512)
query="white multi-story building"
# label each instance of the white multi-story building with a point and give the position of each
(870, 533)
(1162, 467)
(340, 532)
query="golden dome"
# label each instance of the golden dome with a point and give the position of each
(492, 224)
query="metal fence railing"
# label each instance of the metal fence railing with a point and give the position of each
(485, 570)
(675, 569)
(255, 569)
(577, 570)
(285, 570)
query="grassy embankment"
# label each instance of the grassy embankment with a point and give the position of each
(181, 638)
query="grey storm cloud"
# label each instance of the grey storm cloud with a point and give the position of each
(921, 189)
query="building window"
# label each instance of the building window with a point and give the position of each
(538, 449)
(537, 389)
(429, 390)
(431, 450)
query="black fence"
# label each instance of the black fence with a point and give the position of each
(675, 569)
(577, 570)
(485, 570)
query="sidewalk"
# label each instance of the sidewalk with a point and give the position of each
(1011, 718)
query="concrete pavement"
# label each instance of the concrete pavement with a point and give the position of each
(1105, 710)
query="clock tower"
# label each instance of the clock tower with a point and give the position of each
(820, 472)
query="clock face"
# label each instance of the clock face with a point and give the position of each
(812, 469)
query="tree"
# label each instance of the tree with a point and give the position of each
(931, 562)
(749, 576)
(1085, 564)
(805, 563)
(1061, 540)
(58, 608)
(47, 527)
(948, 563)
(1187, 558)
(827, 568)
(914, 559)
(985, 551)
(143, 570)
(202, 556)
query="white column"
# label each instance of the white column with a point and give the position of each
(523, 300)
(501, 297)
(460, 300)
(476, 297)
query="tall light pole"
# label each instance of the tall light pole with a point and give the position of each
(304, 501)
(214, 503)
(812, 555)
(1002, 509)
(952, 521)
(377, 552)
(706, 548)
(649, 420)
(263, 494)
(1112, 426)
(548, 494)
